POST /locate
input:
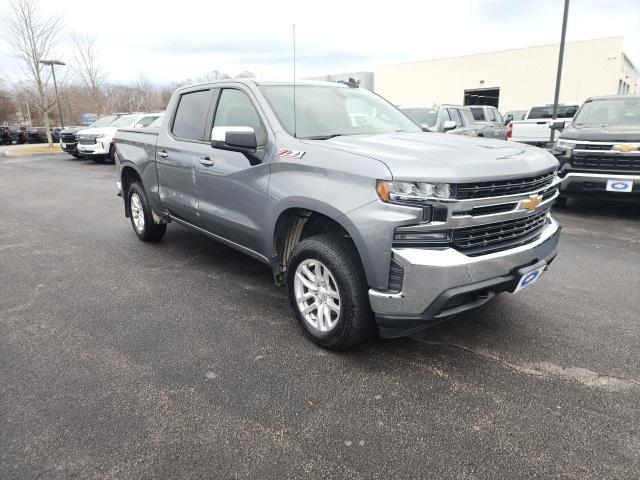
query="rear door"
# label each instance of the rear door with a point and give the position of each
(180, 150)
(232, 190)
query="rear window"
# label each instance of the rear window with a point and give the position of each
(191, 115)
(478, 113)
(564, 111)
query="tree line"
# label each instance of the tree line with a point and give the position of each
(83, 85)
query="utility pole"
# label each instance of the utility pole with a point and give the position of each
(559, 74)
(55, 84)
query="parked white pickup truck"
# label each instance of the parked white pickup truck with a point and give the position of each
(534, 129)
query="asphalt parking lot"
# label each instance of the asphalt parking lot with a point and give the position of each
(120, 359)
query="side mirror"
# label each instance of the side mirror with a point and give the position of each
(557, 125)
(449, 125)
(235, 139)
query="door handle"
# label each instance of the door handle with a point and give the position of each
(163, 154)
(206, 161)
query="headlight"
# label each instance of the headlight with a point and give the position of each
(566, 144)
(412, 192)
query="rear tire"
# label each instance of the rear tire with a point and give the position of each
(142, 217)
(328, 292)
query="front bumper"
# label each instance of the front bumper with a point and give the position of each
(438, 284)
(595, 184)
(94, 149)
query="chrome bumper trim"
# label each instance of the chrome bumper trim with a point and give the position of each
(430, 272)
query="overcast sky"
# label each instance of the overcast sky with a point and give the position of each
(171, 41)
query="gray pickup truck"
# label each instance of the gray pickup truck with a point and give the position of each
(372, 225)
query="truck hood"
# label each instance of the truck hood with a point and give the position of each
(598, 133)
(448, 158)
(102, 131)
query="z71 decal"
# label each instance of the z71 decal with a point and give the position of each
(288, 153)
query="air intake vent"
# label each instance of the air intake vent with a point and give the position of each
(396, 276)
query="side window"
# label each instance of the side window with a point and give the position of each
(190, 116)
(146, 121)
(490, 115)
(235, 109)
(455, 116)
(468, 117)
(499, 118)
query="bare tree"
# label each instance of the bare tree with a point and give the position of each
(33, 39)
(88, 68)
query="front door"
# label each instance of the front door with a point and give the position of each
(180, 152)
(232, 193)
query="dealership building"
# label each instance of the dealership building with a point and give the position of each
(513, 79)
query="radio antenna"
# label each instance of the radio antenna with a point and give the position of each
(295, 130)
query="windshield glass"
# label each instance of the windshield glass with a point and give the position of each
(564, 111)
(104, 121)
(156, 123)
(327, 111)
(126, 121)
(615, 111)
(424, 116)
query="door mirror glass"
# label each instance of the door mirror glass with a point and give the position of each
(238, 139)
(449, 125)
(557, 125)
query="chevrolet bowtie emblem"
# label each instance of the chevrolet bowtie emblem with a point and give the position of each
(532, 203)
(625, 148)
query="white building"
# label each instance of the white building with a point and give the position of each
(513, 79)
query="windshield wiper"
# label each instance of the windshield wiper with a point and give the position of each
(323, 137)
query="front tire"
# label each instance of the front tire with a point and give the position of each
(328, 292)
(141, 216)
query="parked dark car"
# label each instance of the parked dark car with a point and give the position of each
(36, 135)
(22, 135)
(55, 134)
(5, 136)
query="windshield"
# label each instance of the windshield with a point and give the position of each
(104, 121)
(424, 116)
(564, 111)
(615, 111)
(126, 121)
(326, 111)
(156, 123)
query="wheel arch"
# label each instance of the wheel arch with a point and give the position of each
(296, 221)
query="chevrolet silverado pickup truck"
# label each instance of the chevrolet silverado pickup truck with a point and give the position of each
(599, 151)
(372, 226)
(534, 129)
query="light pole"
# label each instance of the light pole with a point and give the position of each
(55, 84)
(559, 74)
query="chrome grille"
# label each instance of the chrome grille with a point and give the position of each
(504, 187)
(483, 239)
(87, 139)
(606, 162)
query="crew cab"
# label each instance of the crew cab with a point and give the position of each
(489, 121)
(69, 135)
(599, 150)
(534, 129)
(371, 226)
(97, 142)
(445, 118)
